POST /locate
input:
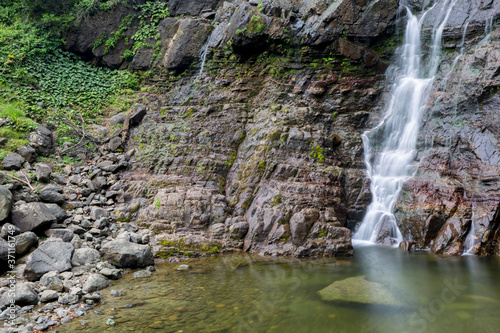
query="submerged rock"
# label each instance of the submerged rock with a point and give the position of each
(359, 290)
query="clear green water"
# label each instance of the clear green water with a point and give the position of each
(245, 293)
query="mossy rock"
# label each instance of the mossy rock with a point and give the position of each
(359, 290)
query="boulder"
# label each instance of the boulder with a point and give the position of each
(65, 234)
(50, 256)
(96, 213)
(95, 282)
(5, 203)
(359, 290)
(48, 296)
(57, 211)
(85, 256)
(138, 114)
(114, 144)
(24, 295)
(117, 119)
(33, 216)
(9, 229)
(52, 194)
(42, 141)
(25, 241)
(28, 153)
(13, 162)
(123, 253)
(43, 172)
(111, 273)
(52, 280)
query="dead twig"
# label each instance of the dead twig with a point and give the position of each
(79, 142)
(27, 181)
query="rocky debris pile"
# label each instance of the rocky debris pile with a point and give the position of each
(68, 241)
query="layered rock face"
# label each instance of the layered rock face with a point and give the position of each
(452, 205)
(263, 143)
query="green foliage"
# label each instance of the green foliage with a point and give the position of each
(118, 34)
(257, 25)
(34, 71)
(150, 15)
(100, 40)
(317, 153)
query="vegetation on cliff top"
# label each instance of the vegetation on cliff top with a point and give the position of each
(40, 83)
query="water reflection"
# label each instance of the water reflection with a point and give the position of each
(245, 293)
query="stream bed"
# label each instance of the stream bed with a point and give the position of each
(249, 293)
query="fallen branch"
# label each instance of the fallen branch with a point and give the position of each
(79, 142)
(27, 181)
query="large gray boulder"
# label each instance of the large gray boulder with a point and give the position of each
(24, 295)
(65, 234)
(52, 194)
(5, 202)
(85, 256)
(58, 212)
(52, 280)
(42, 141)
(123, 253)
(28, 153)
(33, 216)
(95, 282)
(50, 256)
(13, 162)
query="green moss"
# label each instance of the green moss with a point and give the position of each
(276, 200)
(180, 247)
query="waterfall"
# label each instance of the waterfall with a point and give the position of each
(204, 58)
(471, 238)
(390, 148)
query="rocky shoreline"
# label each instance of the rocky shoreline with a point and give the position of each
(72, 237)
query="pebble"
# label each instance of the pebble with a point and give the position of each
(183, 267)
(110, 322)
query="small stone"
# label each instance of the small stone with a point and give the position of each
(110, 322)
(48, 296)
(140, 274)
(183, 267)
(117, 293)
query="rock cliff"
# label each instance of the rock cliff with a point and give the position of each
(254, 113)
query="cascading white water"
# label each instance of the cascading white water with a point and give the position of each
(391, 164)
(204, 58)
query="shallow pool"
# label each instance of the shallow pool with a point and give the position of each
(247, 293)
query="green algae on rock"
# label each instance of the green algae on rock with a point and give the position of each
(359, 290)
